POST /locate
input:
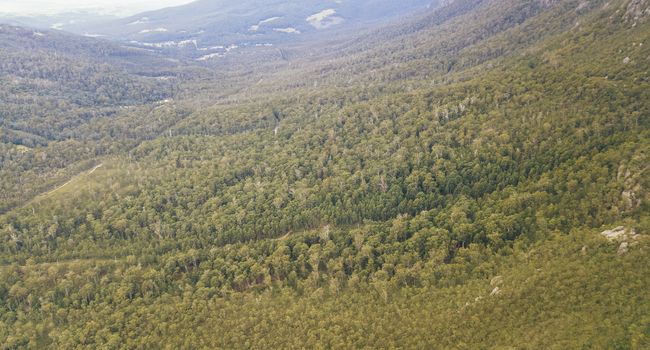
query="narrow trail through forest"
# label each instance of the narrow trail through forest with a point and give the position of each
(72, 179)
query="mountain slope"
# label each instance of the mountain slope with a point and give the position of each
(54, 88)
(547, 299)
(449, 193)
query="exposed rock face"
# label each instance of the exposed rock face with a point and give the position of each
(630, 200)
(627, 238)
(615, 234)
(633, 175)
(636, 10)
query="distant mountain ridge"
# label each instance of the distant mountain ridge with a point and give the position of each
(213, 28)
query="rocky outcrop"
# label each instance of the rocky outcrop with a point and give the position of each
(496, 281)
(616, 234)
(632, 175)
(637, 10)
(626, 238)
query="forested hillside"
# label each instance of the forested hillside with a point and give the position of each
(440, 182)
(54, 86)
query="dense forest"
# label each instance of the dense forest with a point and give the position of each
(471, 177)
